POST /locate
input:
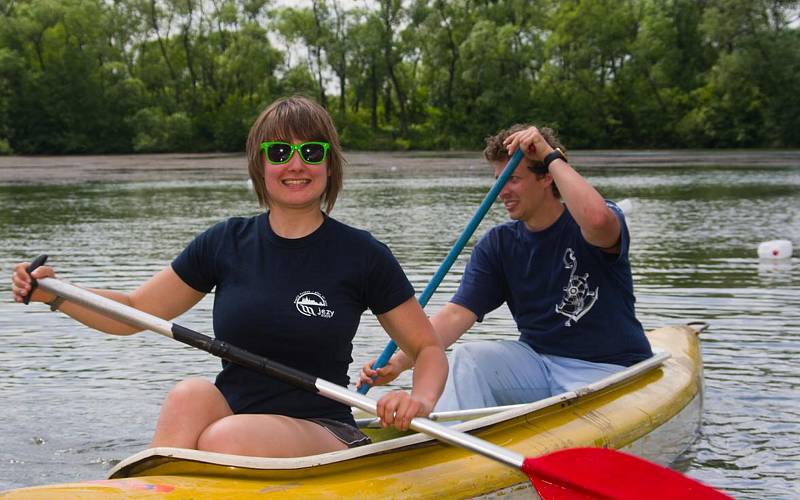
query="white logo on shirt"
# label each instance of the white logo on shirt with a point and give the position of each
(578, 299)
(312, 304)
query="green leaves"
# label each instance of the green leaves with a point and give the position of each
(166, 75)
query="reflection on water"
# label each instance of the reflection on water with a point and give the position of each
(76, 401)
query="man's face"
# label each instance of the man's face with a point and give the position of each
(523, 194)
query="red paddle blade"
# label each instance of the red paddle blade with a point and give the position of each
(581, 473)
(550, 491)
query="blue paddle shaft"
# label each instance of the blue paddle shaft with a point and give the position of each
(459, 245)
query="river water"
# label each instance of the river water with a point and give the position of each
(75, 402)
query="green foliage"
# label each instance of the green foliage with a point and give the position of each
(103, 76)
(5, 148)
(355, 130)
(157, 132)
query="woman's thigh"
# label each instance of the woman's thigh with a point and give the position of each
(267, 436)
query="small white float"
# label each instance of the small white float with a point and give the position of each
(775, 249)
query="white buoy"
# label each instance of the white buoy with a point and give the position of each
(626, 206)
(775, 249)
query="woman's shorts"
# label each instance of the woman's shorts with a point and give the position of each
(345, 433)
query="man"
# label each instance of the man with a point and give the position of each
(562, 267)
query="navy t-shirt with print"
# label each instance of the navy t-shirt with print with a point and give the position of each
(295, 301)
(568, 297)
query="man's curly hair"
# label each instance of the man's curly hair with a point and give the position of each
(496, 151)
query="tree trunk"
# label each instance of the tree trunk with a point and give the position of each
(374, 96)
(162, 46)
(187, 47)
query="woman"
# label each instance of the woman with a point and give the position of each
(291, 285)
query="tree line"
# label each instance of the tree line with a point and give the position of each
(120, 76)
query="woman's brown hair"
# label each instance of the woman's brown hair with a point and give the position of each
(300, 118)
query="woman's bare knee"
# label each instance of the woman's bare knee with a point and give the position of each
(191, 406)
(191, 391)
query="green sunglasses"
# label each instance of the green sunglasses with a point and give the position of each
(278, 152)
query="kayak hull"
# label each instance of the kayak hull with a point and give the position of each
(655, 415)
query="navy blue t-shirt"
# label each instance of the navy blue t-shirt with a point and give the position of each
(295, 301)
(568, 297)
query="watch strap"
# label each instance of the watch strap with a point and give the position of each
(551, 157)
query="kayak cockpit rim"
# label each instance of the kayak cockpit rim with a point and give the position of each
(480, 418)
(632, 371)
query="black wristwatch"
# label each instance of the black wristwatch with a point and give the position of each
(552, 156)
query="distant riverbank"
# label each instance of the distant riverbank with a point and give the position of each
(171, 166)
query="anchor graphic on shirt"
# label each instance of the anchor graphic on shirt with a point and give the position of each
(578, 299)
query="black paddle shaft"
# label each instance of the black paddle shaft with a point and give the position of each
(145, 321)
(244, 358)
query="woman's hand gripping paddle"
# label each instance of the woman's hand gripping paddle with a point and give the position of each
(459, 245)
(566, 474)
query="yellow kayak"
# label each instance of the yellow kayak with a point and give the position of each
(651, 409)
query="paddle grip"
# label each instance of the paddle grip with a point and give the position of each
(228, 352)
(38, 261)
(380, 363)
